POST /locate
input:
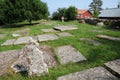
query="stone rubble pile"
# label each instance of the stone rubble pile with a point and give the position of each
(31, 60)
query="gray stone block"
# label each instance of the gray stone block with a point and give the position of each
(63, 28)
(64, 34)
(47, 37)
(16, 35)
(69, 54)
(23, 32)
(98, 31)
(23, 40)
(98, 73)
(114, 66)
(108, 37)
(6, 59)
(8, 42)
(49, 56)
(48, 30)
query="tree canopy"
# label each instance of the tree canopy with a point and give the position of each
(59, 13)
(13, 11)
(95, 7)
(69, 13)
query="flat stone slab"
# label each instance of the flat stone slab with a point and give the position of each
(8, 42)
(99, 31)
(64, 34)
(63, 28)
(97, 73)
(114, 66)
(48, 30)
(6, 59)
(108, 37)
(24, 32)
(68, 54)
(2, 36)
(49, 56)
(47, 37)
(47, 23)
(95, 43)
(23, 40)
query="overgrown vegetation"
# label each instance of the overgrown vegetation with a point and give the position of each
(96, 55)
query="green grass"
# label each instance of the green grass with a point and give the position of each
(96, 55)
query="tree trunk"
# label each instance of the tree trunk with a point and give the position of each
(30, 21)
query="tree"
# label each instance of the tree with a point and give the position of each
(71, 13)
(95, 7)
(55, 16)
(58, 14)
(1, 13)
(61, 12)
(20, 10)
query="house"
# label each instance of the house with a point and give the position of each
(84, 14)
(113, 13)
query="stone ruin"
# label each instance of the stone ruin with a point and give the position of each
(31, 60)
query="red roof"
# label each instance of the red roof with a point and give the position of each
(82, 11)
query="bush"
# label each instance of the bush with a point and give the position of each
(113, 25)
(91, 21)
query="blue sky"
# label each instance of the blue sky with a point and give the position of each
(80, 4)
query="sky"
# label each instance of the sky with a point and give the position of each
(53, 5)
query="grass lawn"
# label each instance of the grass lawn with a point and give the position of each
(96, 55)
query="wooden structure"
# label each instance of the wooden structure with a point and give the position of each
(84, 14)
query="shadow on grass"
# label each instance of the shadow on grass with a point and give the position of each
(24, 74)
(115, 26)
(18, 25)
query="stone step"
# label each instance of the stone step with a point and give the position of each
(68, 54)
(114, 66)
(97, 73)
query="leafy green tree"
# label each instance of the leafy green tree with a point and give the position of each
(1, 13)
(95, 7)
(58, 14)
(55, 16)
(71, 13)
(20, 10)
(61, 12)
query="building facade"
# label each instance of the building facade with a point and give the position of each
(84, 14)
